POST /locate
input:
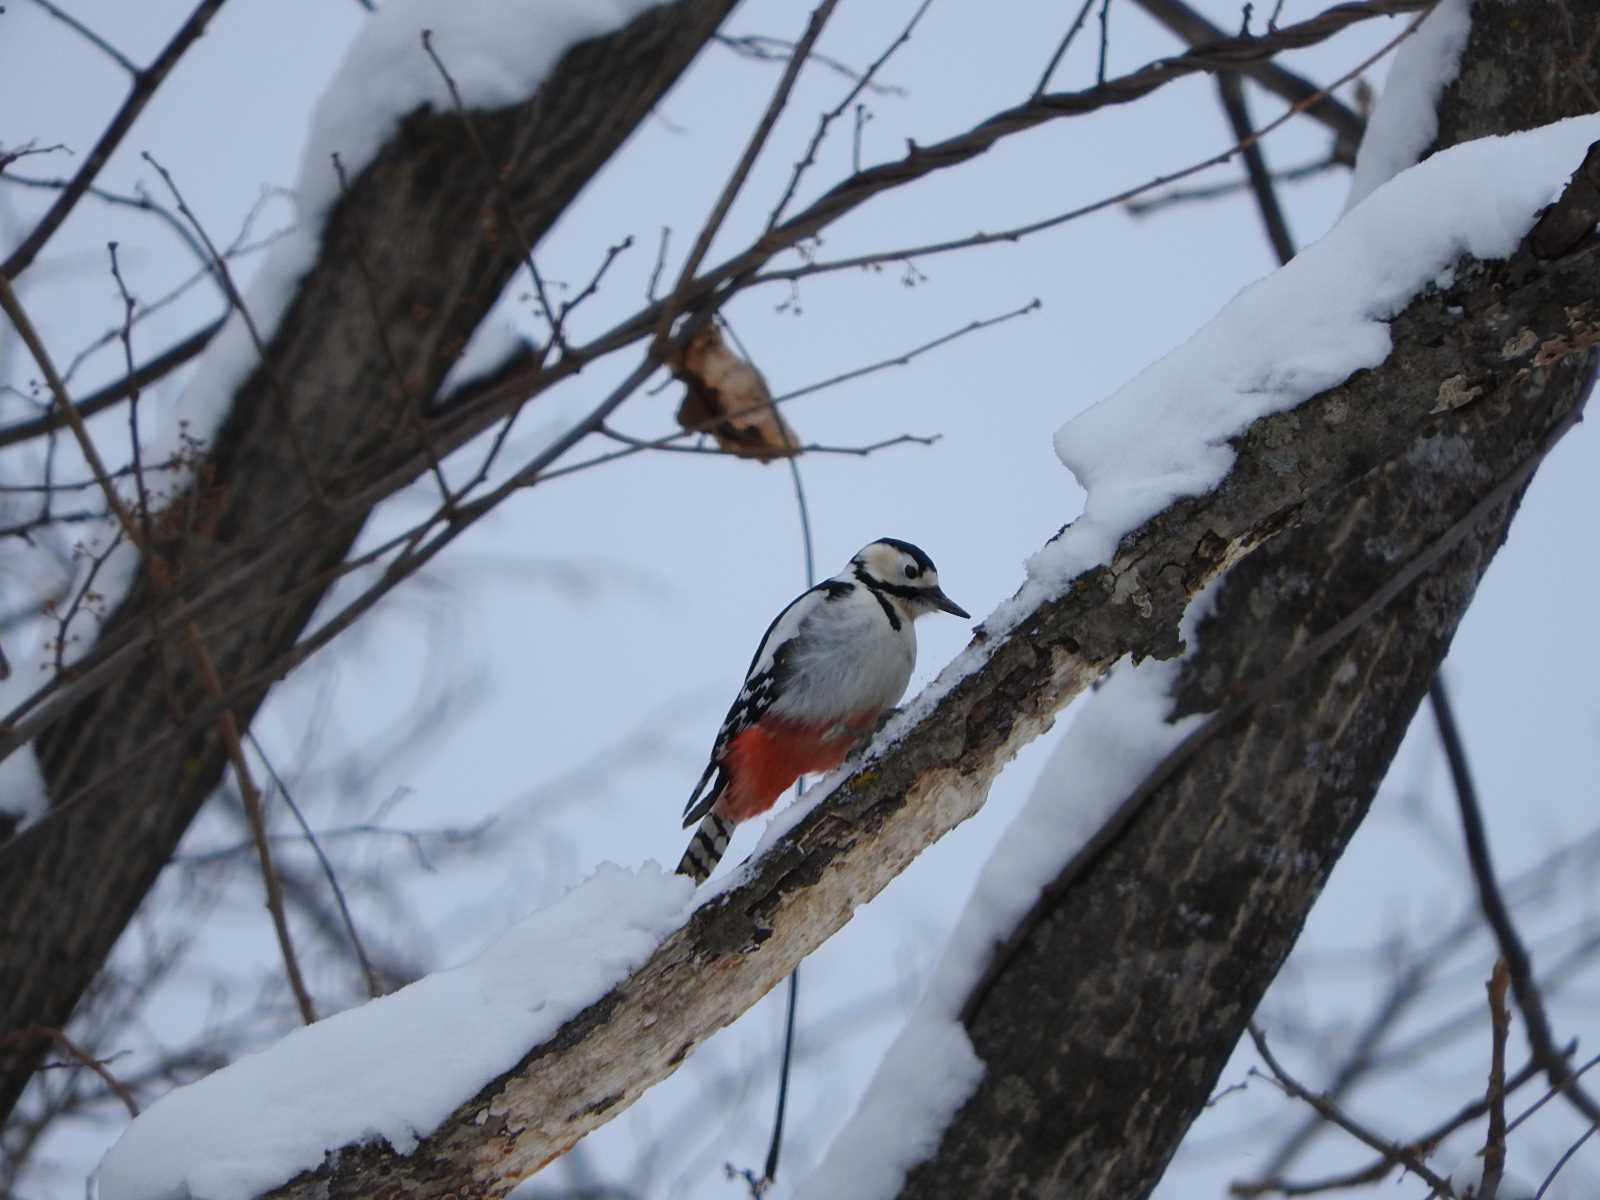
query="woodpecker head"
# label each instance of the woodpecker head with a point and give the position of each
(905, 575)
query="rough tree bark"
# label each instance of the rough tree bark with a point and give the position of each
(1105, 1033)
(289, 463)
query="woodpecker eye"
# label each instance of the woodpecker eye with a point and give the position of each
(912, 570)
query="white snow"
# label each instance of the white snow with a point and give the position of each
(1406, 119)
(395, 1067)
(1120, 734)
(1304, 328)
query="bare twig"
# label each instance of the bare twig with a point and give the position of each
(1494, 1143)
(13, 309)
(665, 445)
(1189, 195)
(593, 286)
(741, 171)
(134, 532)
(772, 49)
(1230, 89)
(374, 984)
(833, 114)
(661, 260)
(1061, 48)
(1105, 41)
(69, 1047)
(1565, 1158)
(1422, 1145)
(228, 726)
(1524, 986)
(1333, 1113)
(90, 36)
(145, 83)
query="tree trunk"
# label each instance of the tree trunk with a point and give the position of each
(1104, 1034)
(288, 466)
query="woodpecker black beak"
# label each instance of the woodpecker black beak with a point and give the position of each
(939, 600)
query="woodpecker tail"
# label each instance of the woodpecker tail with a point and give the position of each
(706, 848)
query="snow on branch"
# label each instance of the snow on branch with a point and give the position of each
(1301, 385)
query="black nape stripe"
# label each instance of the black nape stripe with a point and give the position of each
(876, 589)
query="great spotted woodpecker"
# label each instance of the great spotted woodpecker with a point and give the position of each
(829, 667)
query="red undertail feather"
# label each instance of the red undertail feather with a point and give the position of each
(764, 760)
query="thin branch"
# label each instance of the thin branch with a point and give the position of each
(145, 83)
(741, 170)
(226, 721)
(665, 445)
(1422, 1145)
(1565, 1158)
(773, 49)
(1333, 1113)
(905, 359)
(1494, 1142)
(1061, 48)
(612, 253)
(1524, 986)
(808, 159)
(71, 1048)
(13, 309)
(374, 984)
(1230, 90)
(1105, 41)
(228, 726)
(661, 259)
(1583, 1069)
(90, 36)
(1306, 170)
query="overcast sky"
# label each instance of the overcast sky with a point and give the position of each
(596, 627)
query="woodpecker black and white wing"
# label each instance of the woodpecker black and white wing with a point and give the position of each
(764, 684)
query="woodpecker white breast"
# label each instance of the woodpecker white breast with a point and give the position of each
(830, 665)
